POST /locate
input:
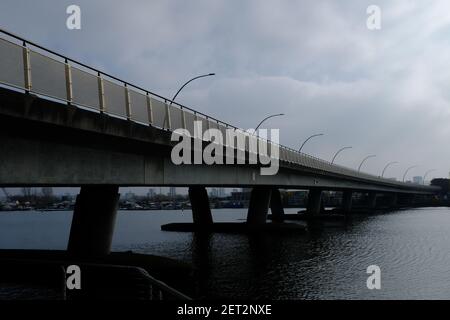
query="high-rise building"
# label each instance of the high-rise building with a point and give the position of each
(417, 180)
(172, 191)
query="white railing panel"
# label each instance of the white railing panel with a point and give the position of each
(11, 64)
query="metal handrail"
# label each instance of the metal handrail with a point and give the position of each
(162, 290)
(66, 58)
(317, 163)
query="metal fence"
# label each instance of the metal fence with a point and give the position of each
(27, 66)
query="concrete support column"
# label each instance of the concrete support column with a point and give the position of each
(259, 205)
(93, 220)
(347, 201)
(276, 205)
(314, 201)
(393, 200)
(372, 200)
(201, 212)
(412, 200)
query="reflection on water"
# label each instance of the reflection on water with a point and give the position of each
(412, 248)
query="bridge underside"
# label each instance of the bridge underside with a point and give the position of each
(31, 161)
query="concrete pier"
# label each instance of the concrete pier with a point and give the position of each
(314, 206)
(260, 201)
(393, 200)
(347, 201)
(411, 200)
(259, 205)
(276, 206)
(93, 220)
(407, 200)
(372, 200)
(201, 212)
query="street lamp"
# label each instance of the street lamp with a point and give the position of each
(274, 115)
(390, 163)
(184, 85)
(314, 135)
(369, 156)
(339, 151)
(425, 175)
(408, 170)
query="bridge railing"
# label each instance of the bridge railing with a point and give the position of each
(28, 66)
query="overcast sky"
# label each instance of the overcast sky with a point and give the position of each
(383, 92)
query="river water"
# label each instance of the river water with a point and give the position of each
(411, 247)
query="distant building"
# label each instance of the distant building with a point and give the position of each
(418, 180)
(214, 193)
(241, 196)
(151, 193)
(129, 196)
(172, 192)
(292, 198)
(66, 197)
(217, 193)
(47, 192)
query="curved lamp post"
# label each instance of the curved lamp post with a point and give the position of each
(314, 135)
(425, 175)
(404, 175)
(266, 118)
(184, 85)
(369, 156)
(339, 151)
(390, 163)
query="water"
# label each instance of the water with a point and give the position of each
(412, 248)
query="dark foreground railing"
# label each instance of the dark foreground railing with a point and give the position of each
(105, 281)
(38, 279)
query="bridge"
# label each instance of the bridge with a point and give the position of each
(63, 123)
